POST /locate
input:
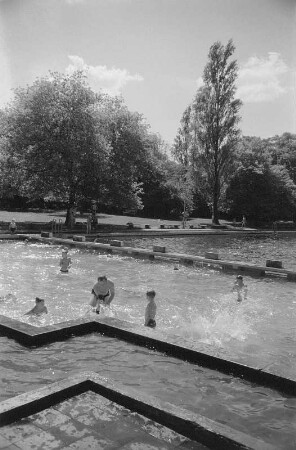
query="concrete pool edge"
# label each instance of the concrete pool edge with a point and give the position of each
(31, 336)
(187, 259)
(196, 427)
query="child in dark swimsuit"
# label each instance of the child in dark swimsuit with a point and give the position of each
(65, 262)
(150, 311)
(38, 309)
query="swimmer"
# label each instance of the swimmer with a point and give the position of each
(38, 309)
(150, 311)
(240, 288)
(65, 262)
(103, 293)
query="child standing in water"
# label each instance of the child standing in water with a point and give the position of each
(65, 262)
(240, 288)
(38, 309)
(150, 311)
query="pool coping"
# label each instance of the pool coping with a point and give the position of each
(32, 336)
(196, 427)
(237, 267)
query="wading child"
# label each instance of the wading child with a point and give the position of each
(240, 288)
(65, 262)
(38, 309)
(150, 311)
(103, 293)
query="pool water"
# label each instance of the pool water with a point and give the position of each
(195, 303)
(245, 247)
(254, 410)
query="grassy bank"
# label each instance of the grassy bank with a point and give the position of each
(43, 219)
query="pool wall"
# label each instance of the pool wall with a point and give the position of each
(193, 426)
(31, 336)
(230, 266)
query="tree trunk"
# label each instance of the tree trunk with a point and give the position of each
(71, 211)
(215, 212)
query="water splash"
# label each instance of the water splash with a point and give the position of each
(229, 321)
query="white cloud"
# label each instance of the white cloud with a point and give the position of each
(261, 79)
(72, 2)
(110, 81)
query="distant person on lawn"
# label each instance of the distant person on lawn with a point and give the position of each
(12, 226)
(103, 293)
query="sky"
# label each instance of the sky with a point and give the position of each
(153, 52)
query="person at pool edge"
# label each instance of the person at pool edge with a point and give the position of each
(150, 311)
(240, 288)
(65, 262)
(103, 293)
(38, 309)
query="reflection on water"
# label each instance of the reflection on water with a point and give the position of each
(193, 303)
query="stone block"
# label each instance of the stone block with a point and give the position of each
(116, 243)
(79, 238)
(159, 249)
(274, 263)
(291, 276)
(211, 255)
(47, 234)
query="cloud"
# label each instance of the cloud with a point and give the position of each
(110, 81)
(72, 2)
(261, 79)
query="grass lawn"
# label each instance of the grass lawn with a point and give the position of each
(103, 219)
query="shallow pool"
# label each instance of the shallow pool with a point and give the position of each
(254, 410)
(195, 303)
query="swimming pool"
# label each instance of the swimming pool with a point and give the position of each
(192, 302)
(195, 303)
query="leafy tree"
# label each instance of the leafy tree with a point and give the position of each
(126, 135)
(181, 147)
(214, 126)
(52, 134)
(260, 190)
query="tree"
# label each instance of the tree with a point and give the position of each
(53, 136)
(215, 124)
(181, 147)
(262, 191)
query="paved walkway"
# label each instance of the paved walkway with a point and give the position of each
(91, 422)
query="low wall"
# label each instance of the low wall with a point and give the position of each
(193, 426)
(36, 336)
